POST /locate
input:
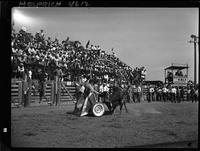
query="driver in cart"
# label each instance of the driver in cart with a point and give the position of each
(89, 97)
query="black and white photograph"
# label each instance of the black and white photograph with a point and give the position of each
(104, 77)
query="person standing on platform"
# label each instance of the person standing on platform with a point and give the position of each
(42, 85)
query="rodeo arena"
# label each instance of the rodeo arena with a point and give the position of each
(66, 94)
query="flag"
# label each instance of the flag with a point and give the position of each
(87, 44)
(24, 28)
(113, 53)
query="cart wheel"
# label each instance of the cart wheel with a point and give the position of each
(98, 109)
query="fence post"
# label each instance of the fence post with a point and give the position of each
(52, 92)
(20, 92)
(58, 93)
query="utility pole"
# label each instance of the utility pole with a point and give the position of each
(194, 40)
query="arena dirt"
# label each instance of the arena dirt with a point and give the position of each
(145, 124)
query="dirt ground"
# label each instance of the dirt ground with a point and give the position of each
(145, 124)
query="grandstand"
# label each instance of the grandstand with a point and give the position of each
(34, 52)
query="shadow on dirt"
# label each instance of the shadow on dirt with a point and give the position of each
(89, 115)
(73, 113)
(30, 134)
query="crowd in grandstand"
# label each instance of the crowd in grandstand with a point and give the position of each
(33, 53)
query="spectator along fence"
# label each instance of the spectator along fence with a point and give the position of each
(17, 91)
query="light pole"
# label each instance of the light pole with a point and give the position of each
(194, 40)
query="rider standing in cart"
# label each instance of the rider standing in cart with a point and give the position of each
(89, 96)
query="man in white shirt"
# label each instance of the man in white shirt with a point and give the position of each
(151, 91)
(105, 91)
(138, 93)
(173, 90)
(101, 91)
(164, 90)
(101, 88)
(159, 94)
(106, 88)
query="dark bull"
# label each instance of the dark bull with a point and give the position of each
(117, 98)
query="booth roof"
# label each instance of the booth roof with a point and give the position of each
(177, 67)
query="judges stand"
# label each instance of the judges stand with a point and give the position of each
(176, 75)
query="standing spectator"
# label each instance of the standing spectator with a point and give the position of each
(155, 94)
(130, 92)
(134, 93)
(182, 94)
(196, 95)
(151, 92)
(192, 94)
(101, 91)
(159, 94)
(138, 93)
(164, 93)
(178, 95)
(167, 93)
(188, 93)
(174, 94)
(29, 73)
(105, 91)
(170, 94)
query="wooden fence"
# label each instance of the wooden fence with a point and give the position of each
(17, 91)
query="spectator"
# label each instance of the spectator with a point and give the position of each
(21, 71)
(174, 91)
(151, 91)
(164, 94)
(138, 93)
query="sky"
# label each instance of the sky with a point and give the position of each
(149, 37)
